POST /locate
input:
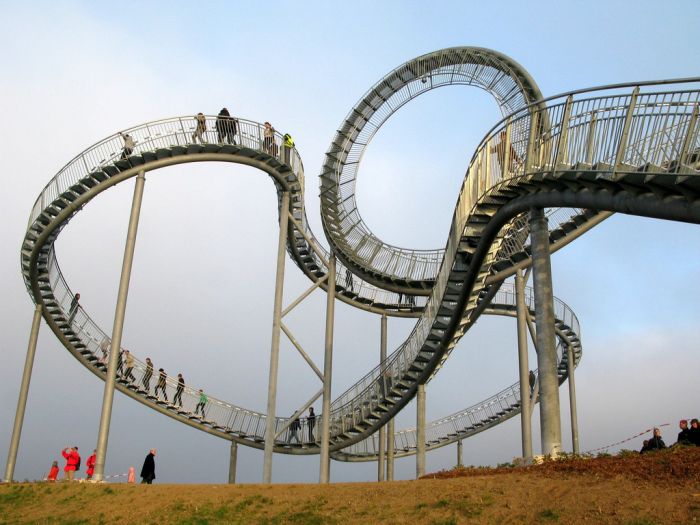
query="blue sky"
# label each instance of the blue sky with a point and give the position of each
(79, 71)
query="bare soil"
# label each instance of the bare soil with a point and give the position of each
(630, 489)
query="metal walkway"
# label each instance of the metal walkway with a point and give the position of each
(630, 149)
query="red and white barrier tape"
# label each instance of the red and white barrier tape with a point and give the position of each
(628, 439)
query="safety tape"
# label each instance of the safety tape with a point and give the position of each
(628, 439)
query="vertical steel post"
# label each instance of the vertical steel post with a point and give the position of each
(385, 389)
(23, 394)
(232, 460)
(550, 418)
(270, 429)
(118, 328)
(420, 431)
(523, 367)
(460, 462)
(325, 470)
(572, 398)
(390, 450)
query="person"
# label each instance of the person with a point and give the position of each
(311, 423)
(120, 363)
(177, 400)
(348, 280)
(500, 150)
(656, 443)
(203, 399)
(385, 383)
(225, 127)
(200, 129)
(104, 348)
(695, 432)
(129, 372)
(72, 462)
(53, 473)
(287, 147)
(148, 375)
(645, 446)
(91, 464)
(684, 434)
(148, 471)
(532, 380)
(73, 308)
(293, 429)
(269, 145)
(162, 377)
(129, 145)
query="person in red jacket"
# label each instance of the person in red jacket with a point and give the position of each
(53, 473)
(72, 462)
(91, 464)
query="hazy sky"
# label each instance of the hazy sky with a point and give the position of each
(202, 286)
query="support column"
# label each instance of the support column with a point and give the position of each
(460, 463)
(270, 429)
(325, 470)
(232, 460)
(23, 394)
(390, 451)
(382, 431)
(572, 399)
(117, 328)
(523, 367)
(550, 422)
(420, 431)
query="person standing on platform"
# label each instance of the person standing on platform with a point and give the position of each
(148, 471)
(91, 464)
(162, 377)
(200, 129)
(72, 462)
(203, 400)
(177, 400)
(73, 308)
(129, 372)
(148, 375)
(311, 422)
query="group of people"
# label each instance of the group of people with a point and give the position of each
(72, 457)
(73, 463)
(688, 436)
(295, 427)
(227, 127)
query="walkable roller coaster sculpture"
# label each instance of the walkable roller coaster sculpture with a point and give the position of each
(547, 172)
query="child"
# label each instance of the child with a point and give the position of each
(53, 473)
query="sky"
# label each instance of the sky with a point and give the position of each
(202, 287)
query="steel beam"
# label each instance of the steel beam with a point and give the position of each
(382, 431)
(572, 398)
(420, 431)
(118, 328)
(460, 446)
(232, 461)
(275, 346)
(550, 422)
(23, 394)
(523, 367)
(325, 469)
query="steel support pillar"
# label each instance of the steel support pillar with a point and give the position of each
(270, 429)
(382, 431)
(325, 470)
(232, 461)
(572, 399)
(420, 431)
(23, 394)
(550, 421)
(118, 328)
(523, 367)
(390, 450)
(460, 447)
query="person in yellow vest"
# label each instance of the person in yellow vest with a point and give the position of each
(287, 146)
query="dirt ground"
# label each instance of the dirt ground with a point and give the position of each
(655, 488)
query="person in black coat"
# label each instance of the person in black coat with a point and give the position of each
(684, 434)
(656, 443)
(695, 432)
(148, 471)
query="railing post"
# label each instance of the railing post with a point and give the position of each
(420, 431)
(325, 470)
(624, 137)
(23, 394)
(232, 460)
(118, 328)
(688, 137)
(550, 422)
(385, 389)
(275, 346)
(590, 140)
(523, 367)
(572, 398)
(563, 143)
